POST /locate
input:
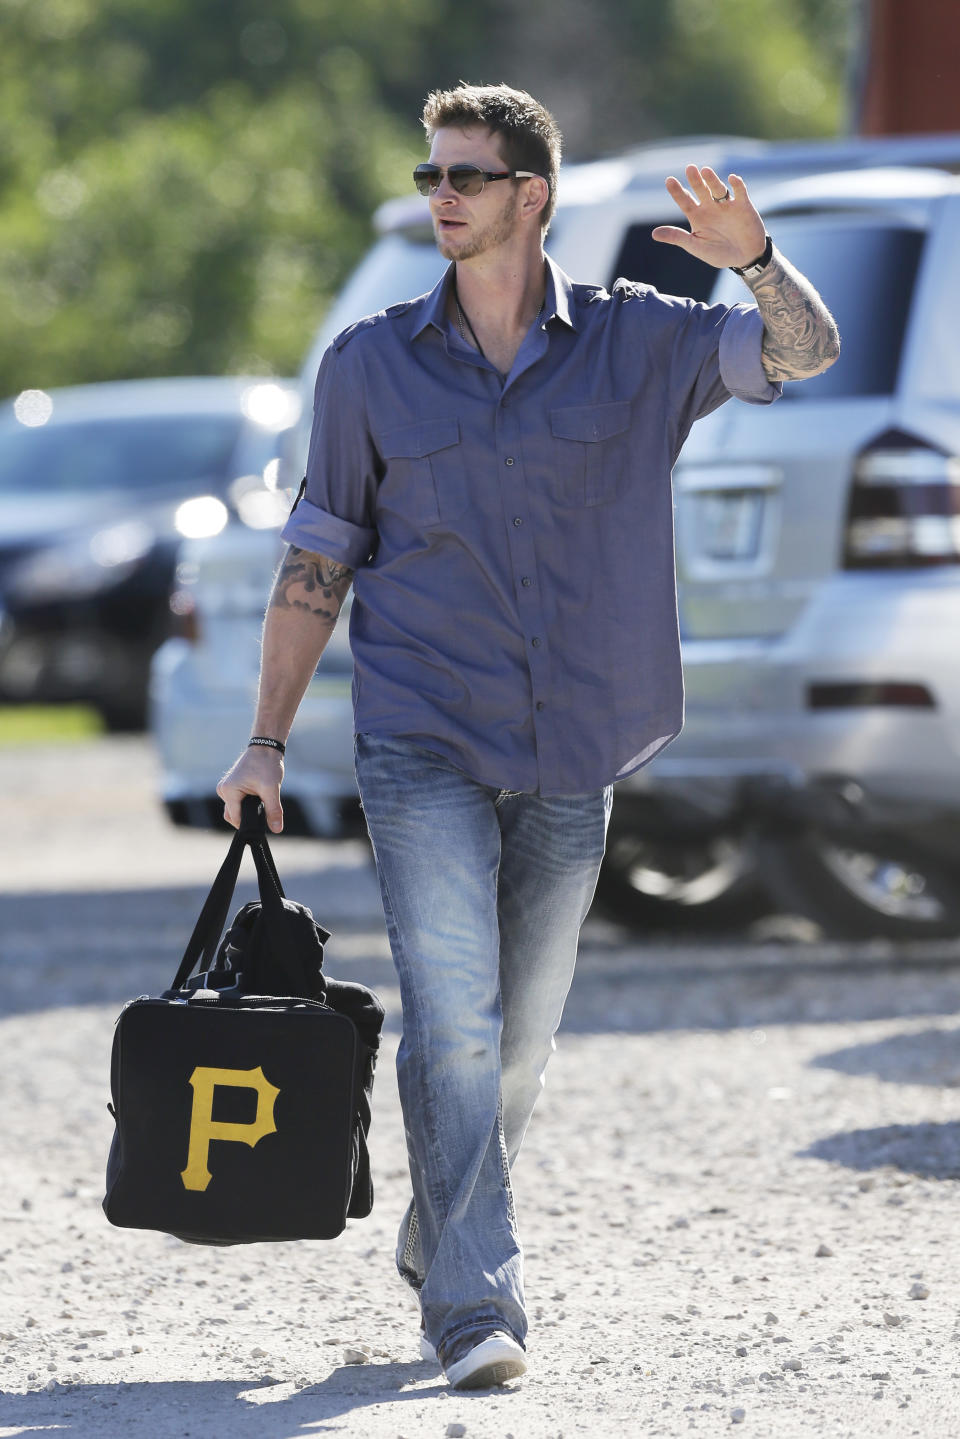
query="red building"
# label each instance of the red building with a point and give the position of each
(910, 77)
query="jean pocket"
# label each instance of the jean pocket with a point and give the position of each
(590, 451)
(426, 476)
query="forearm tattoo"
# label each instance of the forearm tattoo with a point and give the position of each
(306, 581)
(800, 336)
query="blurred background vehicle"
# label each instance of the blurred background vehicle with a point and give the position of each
(204, 685)
(98, 486)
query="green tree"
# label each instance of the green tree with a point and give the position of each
(184, 183)
(620, 72)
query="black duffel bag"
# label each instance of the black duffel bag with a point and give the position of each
(241, 1095)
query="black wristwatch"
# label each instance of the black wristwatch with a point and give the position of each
(751, 271)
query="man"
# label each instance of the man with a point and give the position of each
(490, 466)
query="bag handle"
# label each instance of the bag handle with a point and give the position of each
(209, 927)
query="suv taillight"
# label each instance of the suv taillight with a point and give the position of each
(904, 508)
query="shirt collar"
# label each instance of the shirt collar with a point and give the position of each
(434, 305)
(557, 304)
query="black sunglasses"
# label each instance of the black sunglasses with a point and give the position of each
(465, 179)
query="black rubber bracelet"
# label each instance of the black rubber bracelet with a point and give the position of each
(751, 271)
(262, 739)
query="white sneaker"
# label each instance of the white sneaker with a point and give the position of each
(427, 1350)
(495, 1360)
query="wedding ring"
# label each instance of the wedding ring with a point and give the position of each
(719, 199)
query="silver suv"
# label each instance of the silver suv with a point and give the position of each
(818, 548)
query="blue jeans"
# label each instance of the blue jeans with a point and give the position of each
(484, 892)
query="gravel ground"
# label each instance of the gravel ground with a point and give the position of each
(738, 1195)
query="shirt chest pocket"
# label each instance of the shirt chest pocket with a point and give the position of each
(590, 451)
(426, 476)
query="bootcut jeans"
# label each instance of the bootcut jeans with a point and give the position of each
(484, 892)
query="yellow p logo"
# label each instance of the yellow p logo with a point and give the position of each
(203, 1127)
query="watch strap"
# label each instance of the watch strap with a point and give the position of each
(751, 271)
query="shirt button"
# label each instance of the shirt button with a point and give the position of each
(509, 460)
(539, 704)
(517, 520)
(526, 582)
(535, 642)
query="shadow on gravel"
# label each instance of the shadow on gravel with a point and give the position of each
(107, 947)
(101, 947)
(640, 989)
(930, 1151)
(929, 1056)
(242, 1408)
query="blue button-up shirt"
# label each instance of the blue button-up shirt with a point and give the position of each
(514, 597)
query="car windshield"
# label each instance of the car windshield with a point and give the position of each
(172, 453)
(865, 273)
(399, 267)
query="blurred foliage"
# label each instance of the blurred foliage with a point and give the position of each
(620, 72)
(184, 183)
(47, 724)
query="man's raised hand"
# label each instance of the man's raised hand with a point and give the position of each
(725, 228)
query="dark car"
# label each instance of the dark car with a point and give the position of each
(99, 485)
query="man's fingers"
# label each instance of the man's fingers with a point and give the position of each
(706, 186)
(699, 183)
(233, 800)
(716, 188)
(681, 197)
(273, 810)
(232, 793)
(259, 772)
(672, 235)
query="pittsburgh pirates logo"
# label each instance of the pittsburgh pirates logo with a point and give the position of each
(204, 1128)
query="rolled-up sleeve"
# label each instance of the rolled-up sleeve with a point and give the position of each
(335, 514)
(310, 528)
(741, 357)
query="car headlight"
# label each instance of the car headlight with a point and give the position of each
(80, 567)
(272, 407)
(201, 517)
(261, 506)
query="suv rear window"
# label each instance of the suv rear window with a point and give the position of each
(866, 275)
(667, 267)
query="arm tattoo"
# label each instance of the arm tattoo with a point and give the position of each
(800, 336)
(306, 581)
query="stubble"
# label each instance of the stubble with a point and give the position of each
(497, 232)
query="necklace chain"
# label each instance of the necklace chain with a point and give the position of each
(462, 317)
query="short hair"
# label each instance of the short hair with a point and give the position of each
(529, 135)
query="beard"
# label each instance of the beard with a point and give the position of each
(496, 232)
